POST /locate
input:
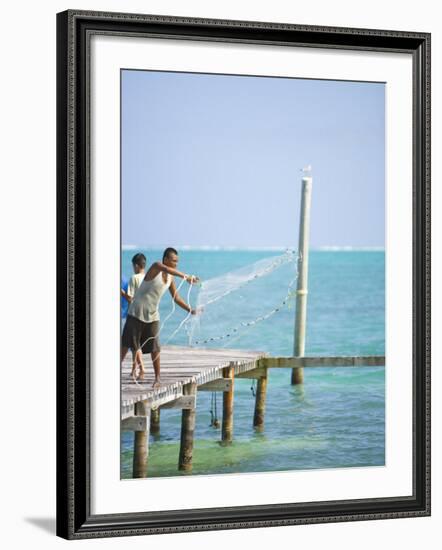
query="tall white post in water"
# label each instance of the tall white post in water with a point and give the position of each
(301, 291)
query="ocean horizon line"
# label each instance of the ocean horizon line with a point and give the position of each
(276, 248)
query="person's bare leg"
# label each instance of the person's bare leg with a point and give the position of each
(134, 366)
(139, 360)
(156, 368)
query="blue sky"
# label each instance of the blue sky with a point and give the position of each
(215, 160)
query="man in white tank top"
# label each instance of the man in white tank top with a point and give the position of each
(140, 333)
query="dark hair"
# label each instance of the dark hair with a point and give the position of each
(140, 260)
(169, 251)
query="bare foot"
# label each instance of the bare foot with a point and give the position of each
(157, 383)
(137, 374)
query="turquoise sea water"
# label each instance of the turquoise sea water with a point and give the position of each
(336, 418)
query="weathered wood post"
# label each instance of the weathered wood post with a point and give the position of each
(155, 421)
(301, 290)
(227, 426)
(260, 402)
(141, 442)
(187, 431)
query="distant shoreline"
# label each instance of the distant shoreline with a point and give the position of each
(126, 247)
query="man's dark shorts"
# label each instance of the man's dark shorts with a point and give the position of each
(136, 333)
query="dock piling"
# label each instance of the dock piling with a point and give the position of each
(301, 289)
(155, 421)
(260, 402)
(141, 443)
(187, 432)
(227, 426)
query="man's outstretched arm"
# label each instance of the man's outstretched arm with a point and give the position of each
(178, 300)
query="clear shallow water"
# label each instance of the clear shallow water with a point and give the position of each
(336, 419)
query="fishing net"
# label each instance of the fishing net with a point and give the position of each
(232, 304)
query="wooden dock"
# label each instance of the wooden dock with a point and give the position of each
(184, 372)
(181, 366)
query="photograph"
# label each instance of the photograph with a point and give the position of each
(252, 274)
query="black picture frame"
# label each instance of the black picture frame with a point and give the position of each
(74, 518)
